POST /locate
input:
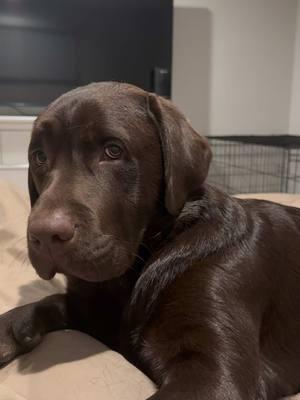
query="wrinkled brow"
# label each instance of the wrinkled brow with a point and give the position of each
(87, 128)
(43, 129)
(92, 132)
(47, 126)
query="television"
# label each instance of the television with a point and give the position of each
(49, 47)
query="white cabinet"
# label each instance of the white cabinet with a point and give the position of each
(14, 139)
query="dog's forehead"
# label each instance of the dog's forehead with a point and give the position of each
(90, 116)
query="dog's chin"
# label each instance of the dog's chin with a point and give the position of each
(43, 265)
(47, 274)
(99, 269)
(96, 275)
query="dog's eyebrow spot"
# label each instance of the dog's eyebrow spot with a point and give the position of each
(36, 142)
(38, 136)
(47, 127)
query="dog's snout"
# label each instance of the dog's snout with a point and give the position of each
(57, 228)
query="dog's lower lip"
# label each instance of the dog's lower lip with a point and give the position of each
(47, 276)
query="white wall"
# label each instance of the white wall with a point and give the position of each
(295, 104)
(232, 64)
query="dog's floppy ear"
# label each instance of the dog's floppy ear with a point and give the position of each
(186, 154)
(33, 193)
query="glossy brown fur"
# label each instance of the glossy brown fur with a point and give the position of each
(202, 292)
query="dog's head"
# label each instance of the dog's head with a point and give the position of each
(101, 160)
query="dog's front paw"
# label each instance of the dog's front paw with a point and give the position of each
(19, 333)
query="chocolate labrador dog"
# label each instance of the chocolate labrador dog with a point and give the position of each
(198, 289)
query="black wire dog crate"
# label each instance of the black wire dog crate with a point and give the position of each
(255, 164)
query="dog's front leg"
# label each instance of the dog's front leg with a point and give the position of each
(23, 328)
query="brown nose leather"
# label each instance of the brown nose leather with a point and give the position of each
(56, 229)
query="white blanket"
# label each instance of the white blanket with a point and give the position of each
(67, 365)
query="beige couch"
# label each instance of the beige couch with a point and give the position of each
(67, 365)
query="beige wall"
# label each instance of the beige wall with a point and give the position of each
(295, 104)
(233, 63)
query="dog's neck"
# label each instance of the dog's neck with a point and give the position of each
(208, 205)
(163, 226)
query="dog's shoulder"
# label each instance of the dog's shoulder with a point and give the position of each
(213, 229)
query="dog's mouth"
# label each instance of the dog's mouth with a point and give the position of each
(92, 264)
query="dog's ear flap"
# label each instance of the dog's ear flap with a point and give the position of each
(33, 193)
(186, 154)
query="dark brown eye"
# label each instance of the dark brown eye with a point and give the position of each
(40, 157)
(113, 151)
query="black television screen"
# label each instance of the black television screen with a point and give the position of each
(49, 47)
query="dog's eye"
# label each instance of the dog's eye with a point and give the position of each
(113, 151)
(40, 157)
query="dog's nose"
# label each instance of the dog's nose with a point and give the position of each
(57, 228)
